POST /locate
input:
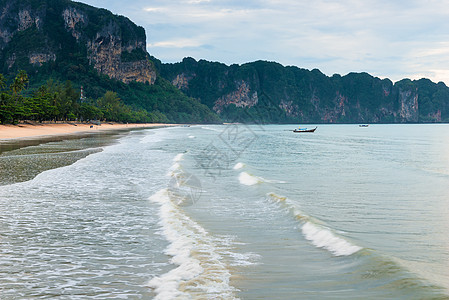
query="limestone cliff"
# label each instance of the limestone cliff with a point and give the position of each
(181, 81)
(408, 106)
(270, 92)
(105, 51)
(33, 33)
(241, 97)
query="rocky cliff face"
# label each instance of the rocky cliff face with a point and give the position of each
(408, 106)
(105, 54)
(241, 97)
(288, 94)
(37, 32)
(181, 81)
(15, 21)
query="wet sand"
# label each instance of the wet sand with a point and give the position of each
(27, 150)
(21, 131)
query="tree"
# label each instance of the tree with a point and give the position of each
(2, 82)
(6, 109)
(110, 104)
(16, 109)
(89, 112)
(19, 83)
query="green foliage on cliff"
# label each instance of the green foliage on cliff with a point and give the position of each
(291, 94)
(134, 55)
(47, 34)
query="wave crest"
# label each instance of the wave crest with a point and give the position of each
(324, 238)
(238, 166)
(200, 271)
(318, 235)
(248, 179)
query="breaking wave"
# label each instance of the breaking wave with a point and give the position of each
(324, 238)
(315, 232)
(238, 166)
(199, 271)
(248, 179)
(178, 157)
(201, 259)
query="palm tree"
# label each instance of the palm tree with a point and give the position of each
(16, 87)
(2, 82)
(19, 83)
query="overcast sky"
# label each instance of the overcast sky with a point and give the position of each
(393, 39)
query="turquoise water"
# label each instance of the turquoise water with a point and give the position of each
(236, 212)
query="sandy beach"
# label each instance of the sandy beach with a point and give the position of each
(9, 132)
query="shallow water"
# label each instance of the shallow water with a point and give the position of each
(23, 159)
(249, 212)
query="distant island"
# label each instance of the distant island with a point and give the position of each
(50, 50)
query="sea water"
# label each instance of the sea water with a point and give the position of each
(234, 212)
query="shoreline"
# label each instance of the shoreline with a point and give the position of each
(71, 142)
(10, 133)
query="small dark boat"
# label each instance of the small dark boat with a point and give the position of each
(363, 125)
(304, 130)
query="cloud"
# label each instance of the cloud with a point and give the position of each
(177, 43)
(392, 39)
(154, 9)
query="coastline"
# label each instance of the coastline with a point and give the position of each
(54, 145)
(10, 133)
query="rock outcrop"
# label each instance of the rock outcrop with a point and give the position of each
(74, 19)
(105, 54)
(37, 59)
(408, 106)
(241, 97)
(113, 45)
(181, 81)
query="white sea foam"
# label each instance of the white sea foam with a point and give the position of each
(238, 166)
(244, 259)
(212, 128)
(174, 170)
(200, 272)
(273, 181)
(276, 198)
(154, 136)
(248, 179)
(324, 238)
(320, 236)
(178, 157)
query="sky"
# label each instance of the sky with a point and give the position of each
(392, 39)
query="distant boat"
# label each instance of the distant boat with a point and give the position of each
(298, 130)
(363, 125)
